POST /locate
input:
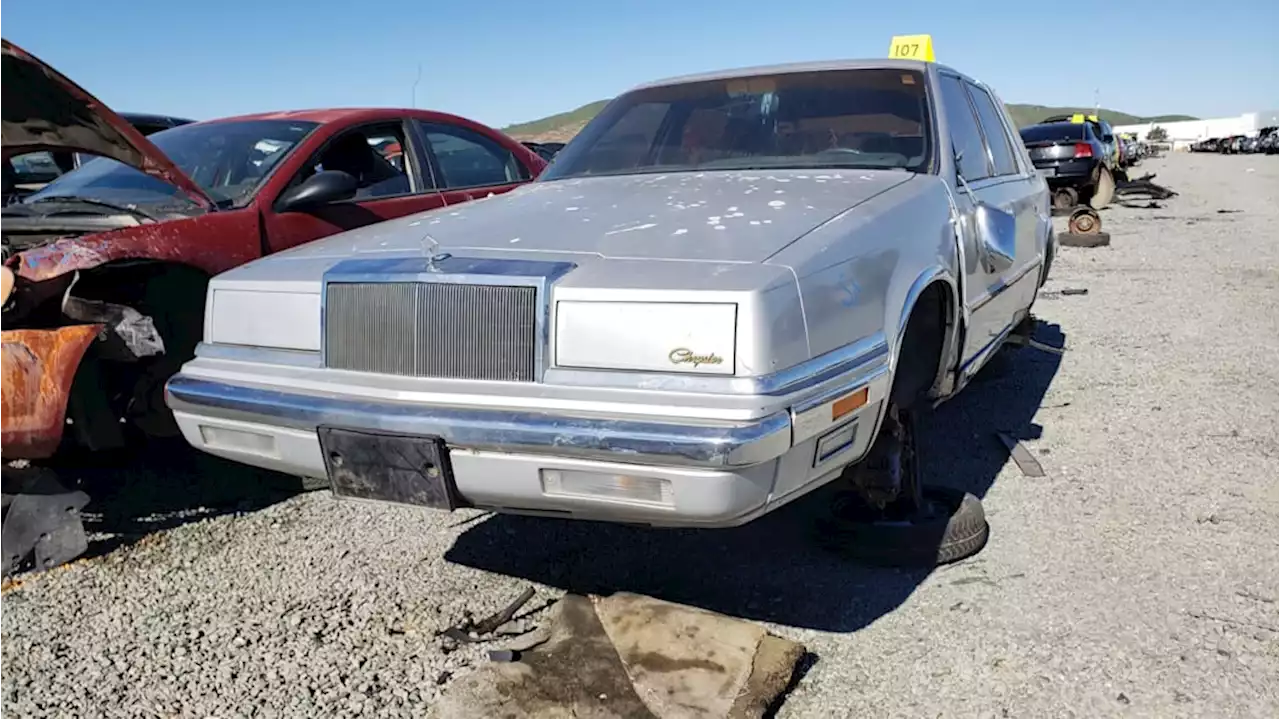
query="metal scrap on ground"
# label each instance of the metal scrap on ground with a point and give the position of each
(628, 655)
(473, 632)
(1144, 186)
(1021, 456)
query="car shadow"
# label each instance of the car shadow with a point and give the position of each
(166, 485)
(772, 569)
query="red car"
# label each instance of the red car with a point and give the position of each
(105, 268)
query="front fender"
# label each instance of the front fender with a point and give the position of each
(213, 243)
(37, 368)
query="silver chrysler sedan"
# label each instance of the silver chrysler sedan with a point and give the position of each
(728, 290)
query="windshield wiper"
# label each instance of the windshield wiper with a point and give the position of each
(95, 203)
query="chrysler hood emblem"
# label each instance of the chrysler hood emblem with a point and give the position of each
(431, 249)
(439, 257)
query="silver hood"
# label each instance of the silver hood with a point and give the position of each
(707, 216)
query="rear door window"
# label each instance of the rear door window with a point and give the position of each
(466, 159)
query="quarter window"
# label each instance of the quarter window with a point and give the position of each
(468, 159)
(993, 128)
(965, 135)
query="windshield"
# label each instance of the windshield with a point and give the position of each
(1055, 132)
(871, 118)
(228, 160)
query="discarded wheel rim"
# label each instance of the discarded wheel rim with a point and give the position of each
(1084, 222)
(1065, 197)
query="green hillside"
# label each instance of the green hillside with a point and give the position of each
(563, 126)
(578, 117)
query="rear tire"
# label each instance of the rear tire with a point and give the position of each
(1105, 190)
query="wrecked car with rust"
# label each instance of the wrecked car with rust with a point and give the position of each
(105, 268)
(727, 291)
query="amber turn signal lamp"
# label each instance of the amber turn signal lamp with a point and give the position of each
(848, 403)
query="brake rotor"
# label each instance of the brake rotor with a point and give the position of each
(1084, 221)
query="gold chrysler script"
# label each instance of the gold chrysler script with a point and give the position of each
(682, 355)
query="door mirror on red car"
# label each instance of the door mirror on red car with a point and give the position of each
(320, 189)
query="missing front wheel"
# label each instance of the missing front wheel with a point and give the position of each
(887, 516)
(889, 478)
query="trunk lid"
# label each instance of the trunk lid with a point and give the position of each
(1051, 150)
(43, 110)
(1053, 141)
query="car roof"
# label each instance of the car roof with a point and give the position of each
(815, 66)
(327, 115)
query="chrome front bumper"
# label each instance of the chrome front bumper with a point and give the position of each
(716, 460)
(722, 445)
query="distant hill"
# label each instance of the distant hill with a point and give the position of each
(556, 128)
(1025, 115)
(563, 126)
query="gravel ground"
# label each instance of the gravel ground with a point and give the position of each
(1139, 578)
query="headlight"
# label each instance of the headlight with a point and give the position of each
(690, 337)
(283, 320)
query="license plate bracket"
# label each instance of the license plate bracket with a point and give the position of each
(389, 467)
(1047, 171)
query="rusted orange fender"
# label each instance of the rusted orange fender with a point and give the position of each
(38, 367)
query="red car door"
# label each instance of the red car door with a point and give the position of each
(392, 177)
(469, 164)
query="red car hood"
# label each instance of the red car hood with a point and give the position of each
(43, 110)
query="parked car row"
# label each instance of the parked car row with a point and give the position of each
(725, 292)
(1264, 142)
(1133, 151)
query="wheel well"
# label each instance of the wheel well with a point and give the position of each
(921, 347)
(168, 292)
(172, 294)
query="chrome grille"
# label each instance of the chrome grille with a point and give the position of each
(429, 329)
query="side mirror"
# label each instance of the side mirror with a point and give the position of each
(320, 189)
(997, 235)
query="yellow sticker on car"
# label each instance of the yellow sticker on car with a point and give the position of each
(911, 47)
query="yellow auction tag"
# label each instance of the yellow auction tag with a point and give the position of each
(1077, 118)
(911, 47)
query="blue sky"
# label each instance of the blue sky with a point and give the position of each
(501, 61)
